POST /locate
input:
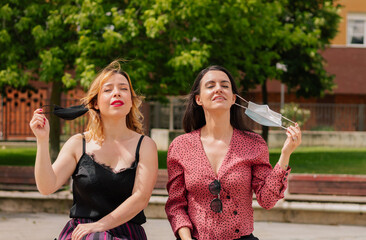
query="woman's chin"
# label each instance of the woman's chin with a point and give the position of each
(216, 108)
(115, 115)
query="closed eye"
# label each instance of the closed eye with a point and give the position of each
(210, 85)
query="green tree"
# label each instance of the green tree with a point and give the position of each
(110, 30)
(39, 42)
(249, 38)
(65, 43)
(311, 24)
(166, 42)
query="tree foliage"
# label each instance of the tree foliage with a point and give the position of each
(41, 44)
(166, 42)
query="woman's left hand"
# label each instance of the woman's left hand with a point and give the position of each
(83, 229)
(293, 139)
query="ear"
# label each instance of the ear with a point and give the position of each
(96, 106)
(198, 100)
(234, 98)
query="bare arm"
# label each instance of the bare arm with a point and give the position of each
(49, 178)
(146, 175)
(185, 233)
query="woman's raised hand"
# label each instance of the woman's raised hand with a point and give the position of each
(39, 125)
(293, 139)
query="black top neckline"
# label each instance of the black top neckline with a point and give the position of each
(107, 167)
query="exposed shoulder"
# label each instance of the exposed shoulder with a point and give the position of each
(74, 145)
(147, 142)
(148, 151)
(76, 139)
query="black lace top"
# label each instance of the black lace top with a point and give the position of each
(98, 190)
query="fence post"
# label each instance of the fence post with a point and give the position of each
(171, 115)
(5, 119)
(156, 114)
(361, 117)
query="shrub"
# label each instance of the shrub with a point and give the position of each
(293, 112)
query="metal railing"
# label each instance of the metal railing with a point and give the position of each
(327, 117)
(15, 114)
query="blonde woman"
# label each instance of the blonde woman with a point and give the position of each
(113, 166)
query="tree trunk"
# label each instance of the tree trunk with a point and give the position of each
(55, 121)
(265, 129)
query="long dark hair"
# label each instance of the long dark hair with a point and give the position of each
(194, 117)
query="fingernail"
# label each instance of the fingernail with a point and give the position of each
(41, 110)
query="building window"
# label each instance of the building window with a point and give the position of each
(356, 30)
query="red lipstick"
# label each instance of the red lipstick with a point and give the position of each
(117, 103)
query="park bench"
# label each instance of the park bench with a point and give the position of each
(17, 178)
(22, 178)
(327, 184)
(162, 179)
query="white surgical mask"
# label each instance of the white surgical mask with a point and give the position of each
(262, 114)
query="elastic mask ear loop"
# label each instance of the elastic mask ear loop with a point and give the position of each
(48, 105)
(288, 119)
(243, 100)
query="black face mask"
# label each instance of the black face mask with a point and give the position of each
(69, 113)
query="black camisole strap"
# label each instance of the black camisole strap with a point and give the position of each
(83, 142)
(137, 156)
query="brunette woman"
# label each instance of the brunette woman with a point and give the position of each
(215, 167)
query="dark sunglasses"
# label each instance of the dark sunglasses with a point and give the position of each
(216, 204)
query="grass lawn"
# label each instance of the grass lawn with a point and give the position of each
(17, 156)
(325, 160)
(26, 157)
(303, 160)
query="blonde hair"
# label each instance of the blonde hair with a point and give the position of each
(134, 117)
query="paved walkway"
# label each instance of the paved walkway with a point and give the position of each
(43, 226)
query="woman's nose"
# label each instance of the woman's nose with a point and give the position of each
(218, 88)
(116, 92)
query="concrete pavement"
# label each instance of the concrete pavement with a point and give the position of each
(45, 226)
